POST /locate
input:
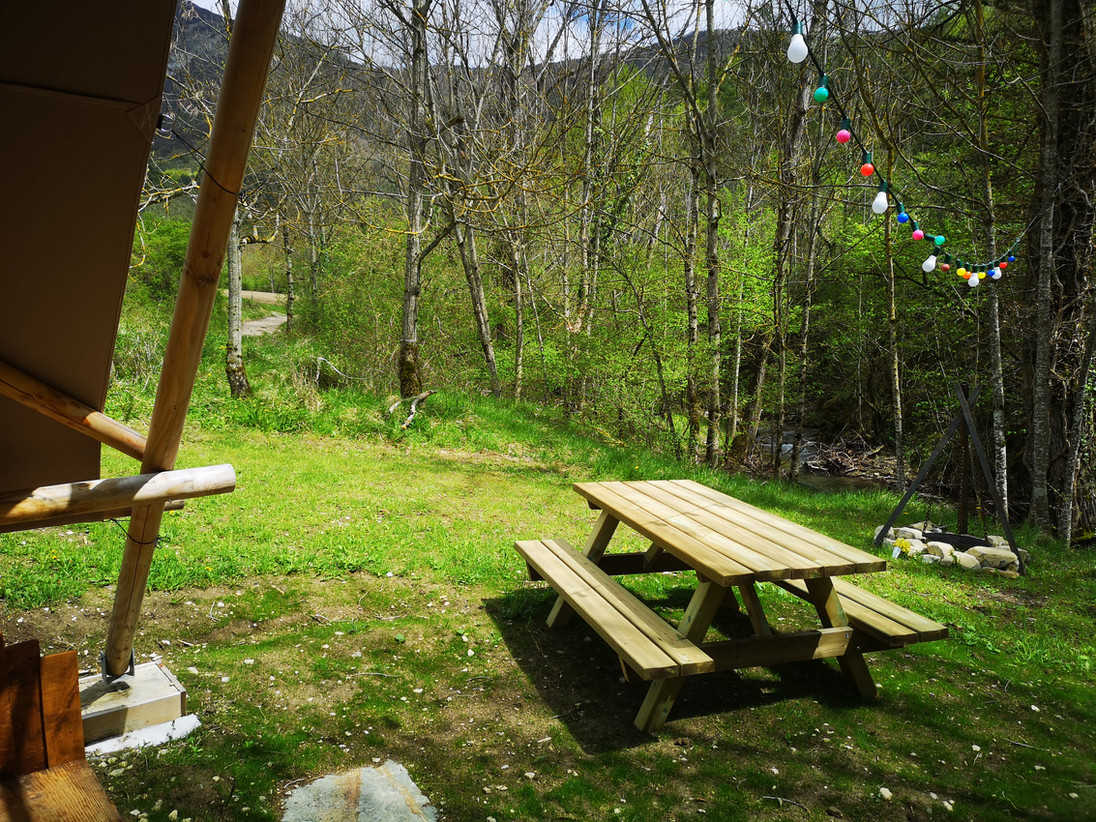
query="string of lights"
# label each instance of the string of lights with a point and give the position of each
(940, 255)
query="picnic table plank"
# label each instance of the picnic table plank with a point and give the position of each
(701, 510)
(754, 516)
(704, 559)
(687, 655)
(610, 624)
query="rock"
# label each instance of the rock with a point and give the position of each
(917, 547)
(965, 560)
(1010, 574)
(948, 559)
(926, 525)
(890, 533)
(997, 541)
(382, 794)
(908, 533)
(940, 549)
(930, 559)
(992, 557)
(1023, 555)
(888, 543)
(886, 794)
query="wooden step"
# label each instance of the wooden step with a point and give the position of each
(650, 646)
(888, 622)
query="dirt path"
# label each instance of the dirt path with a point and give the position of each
(263, 325)
(263, 297)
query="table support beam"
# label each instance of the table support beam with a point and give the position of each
(753, 607)
(828, 605)
(604, 529)
(694, 625)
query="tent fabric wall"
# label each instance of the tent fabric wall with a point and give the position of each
(80, 89)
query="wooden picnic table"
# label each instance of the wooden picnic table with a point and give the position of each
(730, 545)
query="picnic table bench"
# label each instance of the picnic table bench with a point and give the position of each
(730, 545)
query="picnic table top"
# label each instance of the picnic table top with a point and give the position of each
(729, 541)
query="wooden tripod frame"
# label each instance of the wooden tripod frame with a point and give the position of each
(964, 419)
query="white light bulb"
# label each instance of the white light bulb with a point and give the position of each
(995, 274)
(880, 203)
(929, 264)
(974, 279)
(797, 48)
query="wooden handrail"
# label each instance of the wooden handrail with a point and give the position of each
(80, 499)
(69, 411)
(73, 519)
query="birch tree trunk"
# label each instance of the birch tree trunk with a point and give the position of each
(1040, 401)
(290, 287)
(408, 365)
(997, 376)
(895, 371)
(466, 244)
(238, 385)
(713, 209)
(692, 398)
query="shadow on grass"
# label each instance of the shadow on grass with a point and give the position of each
(590, 690)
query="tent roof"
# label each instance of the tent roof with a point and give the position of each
(80, 88)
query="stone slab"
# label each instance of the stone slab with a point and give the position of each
(149, 696)
(381, 794)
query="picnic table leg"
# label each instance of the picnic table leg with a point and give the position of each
(694, 625)
(561, 612)
(753, 608)
(828, 605)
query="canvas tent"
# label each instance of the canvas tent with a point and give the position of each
(80, 96)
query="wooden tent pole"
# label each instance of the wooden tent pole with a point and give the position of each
(250, 49)
(69, 411)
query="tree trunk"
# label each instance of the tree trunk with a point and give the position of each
(736, 367)
(997, 376)
(238, 385)
(466, 243)
(519, 323)
(804, 348)
(713, 209)
(290, 287)
(895, 372)
(692, 339)
(408, 365)
(1075, 440)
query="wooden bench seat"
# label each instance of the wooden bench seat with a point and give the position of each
(650, 646)
(889, 624)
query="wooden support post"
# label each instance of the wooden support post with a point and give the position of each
(69, 411)
(79, 499)
(828, 605)
(662, 694)
(249, 53)
(98, 516)
(604, 529)
(753, 608)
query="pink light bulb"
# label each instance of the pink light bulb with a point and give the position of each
(918, 234)
(844, 135)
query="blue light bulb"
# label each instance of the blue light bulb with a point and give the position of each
(903, 217)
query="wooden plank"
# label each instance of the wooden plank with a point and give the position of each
(690, 659)
(98, 516)
(22, 737)
(637, 649)
(631, 563)
(794, 552)
(596, 544)
(69, 792)
(69, 411)
(828, 604)
(661, 696)
(753, 608)
(77, 499)
(864, 619)
(925, 628)
(869, 562)
(764, 567)
(254, 33)
(704, 559)
(64, 729)
(759, 652)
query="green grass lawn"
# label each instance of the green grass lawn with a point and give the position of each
(358, 598)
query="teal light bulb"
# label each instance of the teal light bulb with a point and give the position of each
(940, 239)
(821, 94)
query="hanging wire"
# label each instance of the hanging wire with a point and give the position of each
(888, 185)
